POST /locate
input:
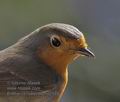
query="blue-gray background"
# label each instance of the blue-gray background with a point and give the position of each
(89, 80)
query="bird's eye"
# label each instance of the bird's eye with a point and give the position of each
(55, 42)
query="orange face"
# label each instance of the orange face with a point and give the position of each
(61, 51)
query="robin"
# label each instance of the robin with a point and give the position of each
(35, 69)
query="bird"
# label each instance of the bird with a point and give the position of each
(35, 68)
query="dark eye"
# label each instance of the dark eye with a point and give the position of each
(55, 42)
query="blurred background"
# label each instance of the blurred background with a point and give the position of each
(90, 80)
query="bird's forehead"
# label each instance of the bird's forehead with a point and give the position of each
(64, 29)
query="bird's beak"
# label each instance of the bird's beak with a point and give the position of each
(86, 52)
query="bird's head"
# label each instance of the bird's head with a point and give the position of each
(61, 44)
(56, 45)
